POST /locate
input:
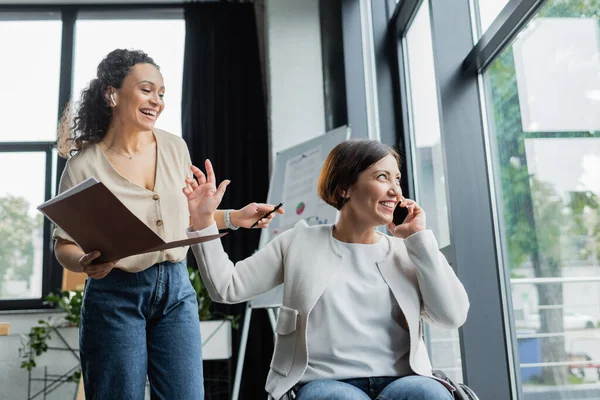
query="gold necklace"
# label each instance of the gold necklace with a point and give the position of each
(122, 154)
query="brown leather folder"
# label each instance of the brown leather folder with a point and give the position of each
(97, 220)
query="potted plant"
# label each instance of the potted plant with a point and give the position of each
(38, 341)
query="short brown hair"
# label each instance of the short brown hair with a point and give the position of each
(345, 162)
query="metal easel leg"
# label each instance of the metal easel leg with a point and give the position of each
(242, 353)
(272, 318)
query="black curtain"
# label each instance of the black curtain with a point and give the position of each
(224, 119)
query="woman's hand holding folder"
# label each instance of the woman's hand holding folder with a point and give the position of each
(74, 259)
(95, 271)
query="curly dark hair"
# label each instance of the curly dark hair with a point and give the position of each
(93, 114)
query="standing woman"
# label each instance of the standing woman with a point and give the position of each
(139, 315)
(350, 322)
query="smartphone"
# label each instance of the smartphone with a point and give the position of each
(400, 213)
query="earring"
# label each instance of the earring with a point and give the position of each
(112, 98)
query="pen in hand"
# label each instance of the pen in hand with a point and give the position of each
(277, 207)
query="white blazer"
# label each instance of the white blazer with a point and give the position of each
(305, 259)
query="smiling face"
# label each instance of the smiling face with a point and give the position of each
(140, 99)
(374, 196)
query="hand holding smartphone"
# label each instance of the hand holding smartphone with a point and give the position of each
(400, 214)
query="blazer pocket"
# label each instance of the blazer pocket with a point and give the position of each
(285, 343)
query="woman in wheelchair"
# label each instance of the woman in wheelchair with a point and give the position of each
(350, 324)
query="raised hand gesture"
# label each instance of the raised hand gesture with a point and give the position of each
(203, 195)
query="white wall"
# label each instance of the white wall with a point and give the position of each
(296, 109)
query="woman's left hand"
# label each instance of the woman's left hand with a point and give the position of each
(247, 216)
(415, 221)
(203, 195)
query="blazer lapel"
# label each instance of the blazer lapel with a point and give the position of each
(401, 278)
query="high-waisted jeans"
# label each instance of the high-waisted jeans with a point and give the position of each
(141, 324)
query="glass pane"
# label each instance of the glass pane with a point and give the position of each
(543, 100)
(163, 40)
(444, 349)
(30, 69)
(429, 167)
(425, 126)
(488, 11)
(21, 248)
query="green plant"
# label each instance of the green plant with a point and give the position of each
(204, 301)
(202, 295)
(69, 302)
(36, 342)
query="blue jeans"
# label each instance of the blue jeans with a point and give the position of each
(412, 387)
(141, 324)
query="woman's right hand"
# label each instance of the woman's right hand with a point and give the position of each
(95, 271)
(203, 196)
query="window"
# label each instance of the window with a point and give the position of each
(30, 102)
(488, 11)
(429, 165)
(425, 125)
(543, 102)
(161, 39)
(31, 79)
(21, 226)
